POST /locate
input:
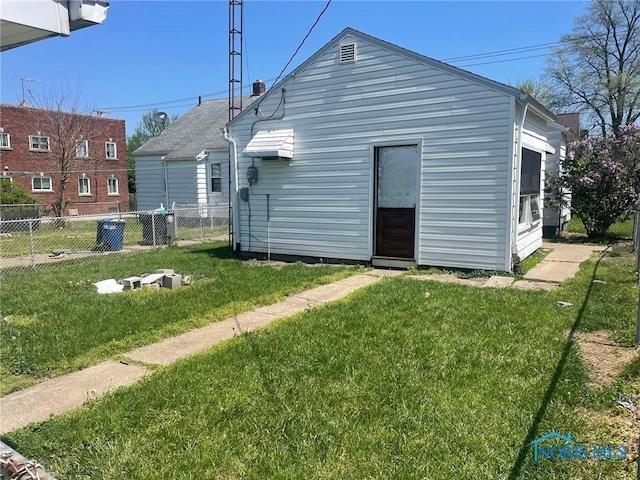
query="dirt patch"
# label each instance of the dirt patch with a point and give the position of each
(619, 427)
(604, 357)
(534, 285)
(450, 278)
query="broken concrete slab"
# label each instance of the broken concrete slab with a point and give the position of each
(108, 286)
(531, 285)
(551, 271)
(165, 271)
(498, 281)
(152, 278)
(40, 402)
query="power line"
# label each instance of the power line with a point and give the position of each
(303, 40)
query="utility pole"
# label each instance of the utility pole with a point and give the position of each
(236, 24)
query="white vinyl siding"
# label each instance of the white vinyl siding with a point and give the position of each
(149, 182)
(321, 201)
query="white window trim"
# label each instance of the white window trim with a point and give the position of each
(88, 192)
(528, 221)
(32, 137)
(115, 150)
(219, 166)
(86, 148)
(117, 184)
(33, 189)
(8, 137)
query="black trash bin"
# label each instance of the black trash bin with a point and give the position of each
(154, 228)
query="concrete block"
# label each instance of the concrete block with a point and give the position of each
(165, 271)
(152, 278)
(131, 283)
(173, 280)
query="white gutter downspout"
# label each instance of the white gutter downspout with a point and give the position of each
(235, 220)
(514, 238)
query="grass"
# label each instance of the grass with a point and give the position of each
(534, 259)
(388, 383)
(58, 323)
(80, 235)
(619, 230)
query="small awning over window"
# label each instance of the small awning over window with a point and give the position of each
(271, 144)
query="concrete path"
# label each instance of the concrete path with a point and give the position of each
(60, 394)
(562, 263)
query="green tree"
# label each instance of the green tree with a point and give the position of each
(602, 175)
(147, 128)
(15, 194)
(541, 90)
(597, 67)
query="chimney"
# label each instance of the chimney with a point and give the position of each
(258, 88)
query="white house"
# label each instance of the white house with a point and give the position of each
(368, 152)
(188, 163)
(561, 133)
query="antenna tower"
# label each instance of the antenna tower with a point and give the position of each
(236, 21)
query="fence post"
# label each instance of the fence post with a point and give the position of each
(32, 247)
(153, 228)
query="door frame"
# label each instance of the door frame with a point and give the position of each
(395, 142)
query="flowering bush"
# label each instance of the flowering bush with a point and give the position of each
(602, 176)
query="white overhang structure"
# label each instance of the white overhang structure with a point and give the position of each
(270, 144)
(23, 22)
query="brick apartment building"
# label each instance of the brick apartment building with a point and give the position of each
(36, 145)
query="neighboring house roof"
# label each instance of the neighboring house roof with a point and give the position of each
(418, 58)
(194, 131)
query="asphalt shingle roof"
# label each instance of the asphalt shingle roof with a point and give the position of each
(196, 130)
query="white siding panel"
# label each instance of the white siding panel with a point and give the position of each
(182, 182)
(149, 182)
(320, 203)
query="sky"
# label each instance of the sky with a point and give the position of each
(165, 54)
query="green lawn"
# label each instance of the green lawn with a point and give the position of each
(388, 383)
(80, 235)
(58, 323)
(619, 230)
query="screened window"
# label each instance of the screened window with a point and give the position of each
(82, 148)
(216, 180)
(112, 186)
(529, 209)
(41, 184)
(530, 172)
(38, 143)
(111, 150)
(5, 141)
(84, 186)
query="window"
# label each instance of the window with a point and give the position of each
(84, 186)
(5, 141)
(216, 180)
(530, 185)
(112, 186)
(41, 184)
(38, 143)
(110, 149)
(529, 209)
(82, 148)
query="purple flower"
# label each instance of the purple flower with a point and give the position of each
(588, 183)
(609, 166)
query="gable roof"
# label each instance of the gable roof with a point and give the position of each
(492, 84)
(196, 130)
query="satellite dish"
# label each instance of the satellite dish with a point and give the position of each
(160, 117)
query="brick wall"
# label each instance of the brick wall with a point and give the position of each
(25, 166)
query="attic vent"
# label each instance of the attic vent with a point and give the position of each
(348, 53)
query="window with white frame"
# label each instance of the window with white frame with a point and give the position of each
(112, 186)
(41, 184)
(216, 179)
(84, 186)
(5, 141)
(82, 148)
(111, 150)
(38, 143)
(530, 186)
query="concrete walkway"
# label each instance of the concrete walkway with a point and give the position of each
(60, 394)
(562, 263)
(64, 393)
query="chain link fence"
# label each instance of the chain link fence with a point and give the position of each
(32, 241)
